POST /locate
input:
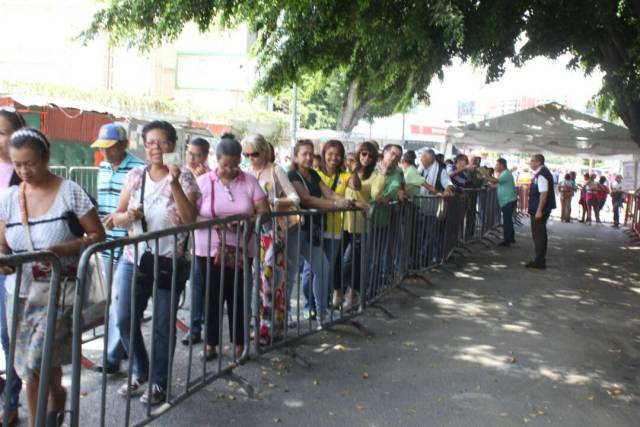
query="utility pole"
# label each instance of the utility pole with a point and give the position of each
(294, 117)
(404, 143)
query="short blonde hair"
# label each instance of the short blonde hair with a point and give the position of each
(256, 143)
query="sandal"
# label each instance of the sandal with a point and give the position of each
(209, 353)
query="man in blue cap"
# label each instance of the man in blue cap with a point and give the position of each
(113, 142)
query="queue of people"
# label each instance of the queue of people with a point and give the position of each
(138, 196)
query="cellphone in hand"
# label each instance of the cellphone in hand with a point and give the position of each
(172, 159)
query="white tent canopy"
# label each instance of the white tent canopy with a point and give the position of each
(550, 128)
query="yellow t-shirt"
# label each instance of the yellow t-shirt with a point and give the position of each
(333, 223)
(371, 189)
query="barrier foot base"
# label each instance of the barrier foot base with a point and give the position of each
(386, 312)
(414, 276)
(446, 270)
(296, 357)
(486, 239)
(242, 382)
(359, 326)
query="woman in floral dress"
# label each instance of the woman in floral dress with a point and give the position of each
(282, 196)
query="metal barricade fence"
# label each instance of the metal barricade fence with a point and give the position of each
(86, 177)
(523, 199)
(362, 254)
(160, 274)
(435, 229)
(60, 171)
(303, 256)
(18, 262)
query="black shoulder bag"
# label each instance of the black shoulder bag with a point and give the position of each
(165, 264)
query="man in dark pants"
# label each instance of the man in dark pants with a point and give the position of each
(507, 199)
(542, 201)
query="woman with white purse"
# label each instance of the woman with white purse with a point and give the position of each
(36, 216)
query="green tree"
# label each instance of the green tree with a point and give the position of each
(390, 50)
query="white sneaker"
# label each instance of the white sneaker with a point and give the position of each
(136, 389)
(158, 396)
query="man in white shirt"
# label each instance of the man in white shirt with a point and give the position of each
(431, 228)
(542, 201)
(436, 178)
(617, 198)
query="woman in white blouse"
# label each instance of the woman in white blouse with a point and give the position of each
(282, 196)
(43, 202)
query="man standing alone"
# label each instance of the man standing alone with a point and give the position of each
(507, 199)
(542, 201)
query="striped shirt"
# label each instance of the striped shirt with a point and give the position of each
(109, 188)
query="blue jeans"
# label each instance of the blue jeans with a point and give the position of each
(318, 262)
(305, 280)
(12, 390)
(196, 300)
(161, 325)
(115, 350)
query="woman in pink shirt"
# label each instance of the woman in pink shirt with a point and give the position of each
(225, 192)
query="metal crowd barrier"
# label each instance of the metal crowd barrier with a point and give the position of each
(86, 177)
(370, 254)
(435, 230)
(523, 199)
(285, 308)
(18, 262)
(184, 380)
(60, 171)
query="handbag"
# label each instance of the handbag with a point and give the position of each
(165, 264)
(230, 260)
(39, 289)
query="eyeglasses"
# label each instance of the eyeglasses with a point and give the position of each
(254, 155)
(150, 144)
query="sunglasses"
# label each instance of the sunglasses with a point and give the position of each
(254, 155)
(365, 154)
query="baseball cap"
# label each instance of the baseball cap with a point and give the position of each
(110, 134)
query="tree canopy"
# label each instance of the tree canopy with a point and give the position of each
(390, 50)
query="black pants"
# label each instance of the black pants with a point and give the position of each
(352, 262)
(235, 309)
(539, 233)
(507, 222)
(617, 204)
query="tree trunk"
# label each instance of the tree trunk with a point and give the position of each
(353, 109)
(629, 112)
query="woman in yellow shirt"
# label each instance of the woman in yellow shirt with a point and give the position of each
(332, 172)
(371, 190)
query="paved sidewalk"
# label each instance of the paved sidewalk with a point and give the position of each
(492, 344)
